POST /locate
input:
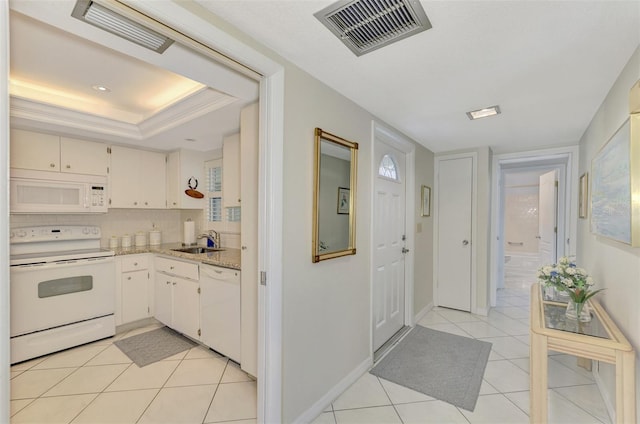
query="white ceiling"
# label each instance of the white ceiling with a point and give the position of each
(155, 101)
(547, 64)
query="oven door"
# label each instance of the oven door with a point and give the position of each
(49, 295)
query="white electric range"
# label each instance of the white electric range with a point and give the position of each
(62, 289)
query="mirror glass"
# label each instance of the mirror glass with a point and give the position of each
(335, 194)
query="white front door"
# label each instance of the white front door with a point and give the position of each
(389, 243)
(547, 212)
(455, 191)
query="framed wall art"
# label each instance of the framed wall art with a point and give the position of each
(615, 185)
(343, 201)
(426, 201)
(583, 196)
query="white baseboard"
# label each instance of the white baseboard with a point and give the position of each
(322, 403)
(424, 311)
(482, 311)
(608, 402)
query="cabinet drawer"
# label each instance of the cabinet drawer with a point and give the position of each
(179, 268)
(135, 263)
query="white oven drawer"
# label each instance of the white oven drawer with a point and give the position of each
(53, 294)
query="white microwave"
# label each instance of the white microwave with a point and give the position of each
(56, 192)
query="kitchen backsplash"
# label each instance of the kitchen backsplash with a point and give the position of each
(118, 222)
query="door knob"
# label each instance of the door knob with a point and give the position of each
(465, 242)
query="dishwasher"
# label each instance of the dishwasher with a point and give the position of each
(220, 310)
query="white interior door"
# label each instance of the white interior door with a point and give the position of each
(389, 244)
(547, 213)
(455, 194)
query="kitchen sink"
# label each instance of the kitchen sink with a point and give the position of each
(196, 250)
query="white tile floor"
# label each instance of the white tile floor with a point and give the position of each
(97, 383)
(504, 395)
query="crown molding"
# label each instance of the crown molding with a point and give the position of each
(46, 116)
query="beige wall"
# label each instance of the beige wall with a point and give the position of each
(614, 266)
(327, 312)
(423, 245)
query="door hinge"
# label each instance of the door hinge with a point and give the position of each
(108, 171)
(263, 278)
(198, 290)
(109, 150)
(555, 229)
(148, 310)
(199, 332)
(556, 183)
(109, 201)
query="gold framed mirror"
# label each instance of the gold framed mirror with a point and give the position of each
(334, 197)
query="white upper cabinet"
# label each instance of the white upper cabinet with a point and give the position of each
(184, 168)
(83, 157)
(231, 171)
(46, 152)
(137, 179)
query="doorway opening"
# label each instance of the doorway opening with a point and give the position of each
(530, 222)
(532, 219)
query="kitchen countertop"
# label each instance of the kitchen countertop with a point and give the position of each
(227, 258)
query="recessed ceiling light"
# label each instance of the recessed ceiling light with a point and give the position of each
(101, 88)
(484, 113)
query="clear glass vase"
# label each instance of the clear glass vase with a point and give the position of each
(578, 311)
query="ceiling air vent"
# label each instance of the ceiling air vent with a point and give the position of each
(108, 20)
(367, 25)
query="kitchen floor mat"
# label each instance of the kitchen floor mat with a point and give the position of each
(152, 346)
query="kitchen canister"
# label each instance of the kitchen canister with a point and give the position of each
(113, 242)
(141, 239)
(155, 237)
(125, 241)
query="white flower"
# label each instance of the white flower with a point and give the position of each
(564, 261)
(571, 271)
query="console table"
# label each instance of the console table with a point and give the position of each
(599, 339)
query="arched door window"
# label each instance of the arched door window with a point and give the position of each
(388, 168)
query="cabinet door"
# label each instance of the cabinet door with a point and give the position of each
(173, 180)
(183, 166)
(125, 165)
(83, 157)
(135, 300)
(186, 307)
(231, 171)
(151, 179)
(31, 150)
(163, 304)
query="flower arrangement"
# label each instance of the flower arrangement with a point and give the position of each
(566, 276)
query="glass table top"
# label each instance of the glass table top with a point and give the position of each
(555, 318)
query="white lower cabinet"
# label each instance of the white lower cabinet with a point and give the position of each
(134, 291)
(220, 310)
(177, 299)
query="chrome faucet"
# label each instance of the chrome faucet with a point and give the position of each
(213, 236)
